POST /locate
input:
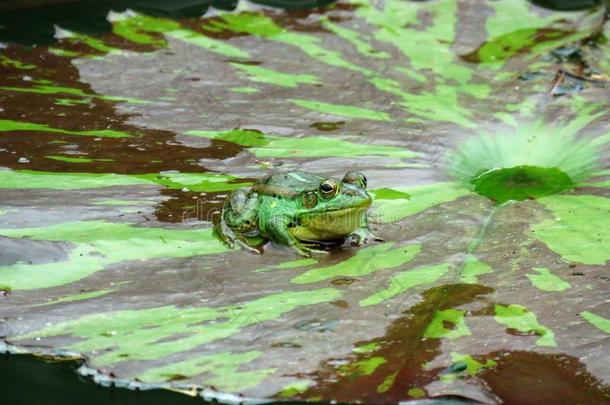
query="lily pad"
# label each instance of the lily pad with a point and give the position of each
(120, 141)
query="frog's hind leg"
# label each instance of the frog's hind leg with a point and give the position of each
(231, 238)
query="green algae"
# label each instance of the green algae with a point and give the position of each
(403, 281)
(10, 126)
(580, 229)
(472, 269)
(342, 110)
(523, 320)
(145, 334)
(365, 261)
(437, 328)
(521, 183)
(272, 146)
(421, 198)
(599, 322)
(78, 297)
(547, 281)
(225, 368)
(98, 244)
(263, 75)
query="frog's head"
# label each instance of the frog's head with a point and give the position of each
(334, 209)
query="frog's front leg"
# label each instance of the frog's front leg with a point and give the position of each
(278, 230)
(363, 234)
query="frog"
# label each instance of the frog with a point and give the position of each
(298, 209)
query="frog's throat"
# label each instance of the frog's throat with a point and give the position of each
(328, 225)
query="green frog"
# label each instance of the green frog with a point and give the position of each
(298, 209)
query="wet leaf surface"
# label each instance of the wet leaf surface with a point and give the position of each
(118, 146)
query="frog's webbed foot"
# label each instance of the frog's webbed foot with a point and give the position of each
(362, 236)
(307, 248)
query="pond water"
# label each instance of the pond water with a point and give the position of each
(483, 130)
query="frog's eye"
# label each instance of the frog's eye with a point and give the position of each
(328, 188)
(310, 199)
(355, 178)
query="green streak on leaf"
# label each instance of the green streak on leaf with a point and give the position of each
(264, 75)
(116, 202)
(268, 146)
(13, 63)
(99, 244)
(436, 329)
(547, 281)
(416, 392)
(77, 297)
(363, 47)
(243, 137)
(520, 318)
(289, 265)
(387, 383)
(208, 182)
(30, 179)
(295, 388)
(64, 52)
(366, 348)
(244, 89)
(71, 159)
(136, 28)
(224, 366)
(92, 42)
(212, 45)
(389, 194)
(473, 367)
(9, 125)
(580, 231)
(422, 198)
(343, 110)
(406, 280)
(50, 89)
(472, 269)
(597, 321)
(367, 260)
(361, 367)
(515, 28)
(154, 333)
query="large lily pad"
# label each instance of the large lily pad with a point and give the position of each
(118, 148)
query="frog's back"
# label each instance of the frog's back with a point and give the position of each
(296, 181)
